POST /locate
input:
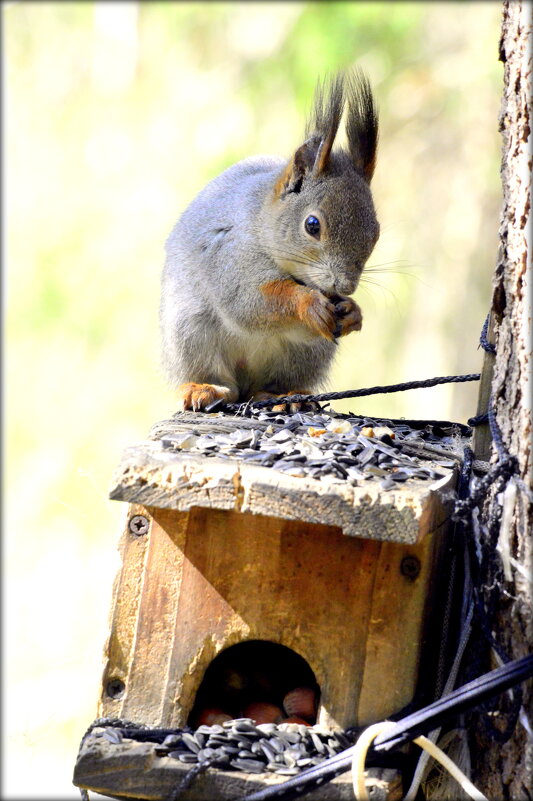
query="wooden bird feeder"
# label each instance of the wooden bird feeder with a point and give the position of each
(225, 561)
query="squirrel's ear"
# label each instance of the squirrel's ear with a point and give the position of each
(312, 158)
(362, 125)
(300, 164)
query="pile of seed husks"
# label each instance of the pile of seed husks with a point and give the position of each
(240, 744)
(319, 445)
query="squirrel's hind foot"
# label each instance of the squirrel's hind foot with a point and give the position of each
(287, 407)
(198, 396)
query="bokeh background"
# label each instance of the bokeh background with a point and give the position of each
(116, 114)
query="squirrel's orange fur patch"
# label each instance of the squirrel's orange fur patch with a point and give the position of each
(291, 302)
(198, 396)
(283, 180)
(285, 298)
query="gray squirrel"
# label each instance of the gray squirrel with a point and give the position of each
(259, 266)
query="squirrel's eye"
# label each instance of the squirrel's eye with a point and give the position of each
(312, 226)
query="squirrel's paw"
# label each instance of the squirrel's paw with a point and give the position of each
(349, 317)
(292, 407)
(318, 313)
(198, 396)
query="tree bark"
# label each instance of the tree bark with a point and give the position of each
(505, 771)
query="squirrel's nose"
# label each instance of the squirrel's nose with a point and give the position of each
(345, 285)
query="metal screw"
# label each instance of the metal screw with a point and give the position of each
(115, 688)
(139, 525)
(410, 567)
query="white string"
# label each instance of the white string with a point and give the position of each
(448, 687)
(363, 744)
(359, 757)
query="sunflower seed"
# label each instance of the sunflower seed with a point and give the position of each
(232, 750)
(366, 455)
(113, 736)
(172, 739)
(303, 762)
(290, 760)
(183, 756)
(248, 765)
(281, 436)
(317, 742)
(399, 475)
(291, 736)
(190, 742)
(221, 757)
(206, 754)
(200, 738)
(203, 729)
(268, 751)
(277, 744)
(267, 728)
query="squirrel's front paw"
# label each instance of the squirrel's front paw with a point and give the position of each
(198, 396)
(318, 313)
(349, 317)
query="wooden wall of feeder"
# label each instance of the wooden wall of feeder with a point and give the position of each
(277, 568)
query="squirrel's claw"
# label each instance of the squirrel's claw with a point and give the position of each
(198, 396)
(349, 317)
(293, 408)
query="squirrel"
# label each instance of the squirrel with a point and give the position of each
(260, 265)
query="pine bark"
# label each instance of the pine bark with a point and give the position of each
(505, 771)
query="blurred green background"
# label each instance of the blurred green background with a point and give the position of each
(116, 114)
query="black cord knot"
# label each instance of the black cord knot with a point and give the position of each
(483, 341)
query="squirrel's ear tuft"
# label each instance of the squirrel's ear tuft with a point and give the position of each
(362, 124)
(325, 119)
(312, 157)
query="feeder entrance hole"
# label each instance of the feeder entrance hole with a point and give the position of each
(262, 680)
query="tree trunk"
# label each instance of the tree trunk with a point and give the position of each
(504, 771)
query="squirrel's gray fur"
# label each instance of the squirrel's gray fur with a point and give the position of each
(245, 230)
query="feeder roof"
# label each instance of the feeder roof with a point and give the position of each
(377, 479)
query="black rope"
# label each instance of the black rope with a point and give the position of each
(458, 585)
(505, 468)
(188, 779)
(109, 722)
(489, 709)
(360, 393)
(478, 419)
(497, 436)
(483, 341)
(463, 485)
(106, 722)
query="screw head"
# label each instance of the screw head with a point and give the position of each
(410, 566)
(138, 525)
(115, 688)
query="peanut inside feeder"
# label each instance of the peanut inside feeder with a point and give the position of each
(264, 681)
